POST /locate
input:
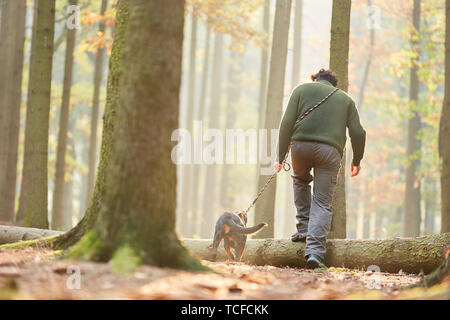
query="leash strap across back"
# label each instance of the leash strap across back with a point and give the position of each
(287, 166)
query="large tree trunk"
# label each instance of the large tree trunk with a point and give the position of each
(209, 212)
(265, 207)
(339, 53)
(411, 216)
(98, 76)
(136, 222)
(186, 216)
(11, 59)
(444, 136)
(58, 194)
(36, 134)
(410, 255)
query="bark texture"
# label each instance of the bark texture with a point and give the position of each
(20, 216)
(339, 55)
(11, 60)
(36, 133)
(392, 255)
(265, 207)
(411, 216)
(58, 194)
(444, 136)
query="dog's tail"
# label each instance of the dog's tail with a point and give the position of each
(250, 230)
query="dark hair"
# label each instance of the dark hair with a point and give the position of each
(327, 75)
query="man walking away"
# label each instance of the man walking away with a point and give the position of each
(317, 143)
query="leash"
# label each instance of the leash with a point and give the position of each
(286, 165)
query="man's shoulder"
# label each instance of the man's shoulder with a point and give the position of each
(306, 86)
(346, 96)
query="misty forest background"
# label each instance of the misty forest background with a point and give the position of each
(396, 76)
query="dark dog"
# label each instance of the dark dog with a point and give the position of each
(231, 227)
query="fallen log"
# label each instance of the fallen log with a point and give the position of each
(9, 234)
(437, 276)
(411, 255)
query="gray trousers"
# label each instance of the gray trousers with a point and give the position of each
(314, 217)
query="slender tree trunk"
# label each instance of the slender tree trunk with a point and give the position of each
(444, 135)
(6, 45)
(197, 201)
(24, 187)
(83, 158)
(362, 88)
(263, 69)
(265, 207)
(137, 218)
(186, 218)
(36, 134)
(58, 194)
(339, 55)
(360, 213)
(411, 216)
(235, 66)
(295, 79)
(98, 76)
(430, 198)
(211, 189)
(11, 52)
(69, 185)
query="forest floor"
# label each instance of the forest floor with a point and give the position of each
(33, 273)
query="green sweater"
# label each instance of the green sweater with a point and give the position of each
(326, 124)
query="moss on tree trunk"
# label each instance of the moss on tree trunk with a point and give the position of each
(410, 255)
(115, 73)
(136, 217)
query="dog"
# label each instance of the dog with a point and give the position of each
(232, 228)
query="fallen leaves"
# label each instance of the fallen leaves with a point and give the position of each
(37, 274)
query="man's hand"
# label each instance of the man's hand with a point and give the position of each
(277, 167)
(355, 170)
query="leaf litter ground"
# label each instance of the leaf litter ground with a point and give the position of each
(36, 273)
